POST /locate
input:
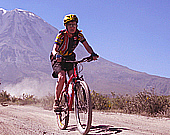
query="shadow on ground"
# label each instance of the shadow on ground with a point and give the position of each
(100, 129)
(105, 130)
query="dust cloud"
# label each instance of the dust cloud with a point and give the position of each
(32, 86)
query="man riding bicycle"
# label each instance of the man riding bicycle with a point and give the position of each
(65, 43)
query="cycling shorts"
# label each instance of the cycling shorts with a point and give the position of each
(59, 66)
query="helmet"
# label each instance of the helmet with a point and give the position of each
(70, 18)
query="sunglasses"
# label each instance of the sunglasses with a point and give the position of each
(72, 25)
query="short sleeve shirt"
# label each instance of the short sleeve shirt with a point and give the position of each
(68, 44)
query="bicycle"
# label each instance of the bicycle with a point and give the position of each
(80, 93)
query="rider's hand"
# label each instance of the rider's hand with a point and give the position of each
(59, 58)
(94, 56)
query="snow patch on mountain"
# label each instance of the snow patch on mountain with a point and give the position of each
(28, 13)
(3, 11)
(17, 10)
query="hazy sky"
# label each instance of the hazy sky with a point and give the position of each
(132, 33)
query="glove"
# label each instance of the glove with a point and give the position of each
(94, 54)
(58, 56)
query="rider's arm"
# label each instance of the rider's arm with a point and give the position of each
(55, 49)
(89, 49)
(82, 39)
(56, 53)
(56, 46)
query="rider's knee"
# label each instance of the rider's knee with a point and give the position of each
(61, 77)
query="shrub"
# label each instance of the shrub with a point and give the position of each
(147, 102)
(25, 99)
(47, 101)
(100, 102)
(4, 96)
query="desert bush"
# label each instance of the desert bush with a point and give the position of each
(99, 101)
(47, 101)
(25, 99)
(147, 102)
(118, 102)
(4, 96)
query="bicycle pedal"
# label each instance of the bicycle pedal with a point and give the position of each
(58, 110)
(58, 113)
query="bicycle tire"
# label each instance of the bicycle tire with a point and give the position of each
(63, 115)
(83, 107)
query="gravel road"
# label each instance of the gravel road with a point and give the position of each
(20, 120)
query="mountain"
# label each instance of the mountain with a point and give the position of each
(109, 76)
(25, 43)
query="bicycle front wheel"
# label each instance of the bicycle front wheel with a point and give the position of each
(83, 108)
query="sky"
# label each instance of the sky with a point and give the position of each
(132, 33)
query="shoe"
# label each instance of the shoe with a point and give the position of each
(56, 106)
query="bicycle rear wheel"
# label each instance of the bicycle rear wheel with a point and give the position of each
(63, 115)
(83, 109)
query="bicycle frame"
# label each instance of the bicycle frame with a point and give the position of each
(74, 80)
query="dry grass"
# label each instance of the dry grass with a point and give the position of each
(144, 103)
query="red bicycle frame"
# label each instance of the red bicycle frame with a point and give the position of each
(71, 79)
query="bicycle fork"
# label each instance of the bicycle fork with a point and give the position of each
(75, 94)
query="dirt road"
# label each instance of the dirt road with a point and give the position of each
(20, 120)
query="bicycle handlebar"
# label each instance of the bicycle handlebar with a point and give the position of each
(86, 59)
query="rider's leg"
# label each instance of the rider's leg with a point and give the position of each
(70, 73)
(60, 84)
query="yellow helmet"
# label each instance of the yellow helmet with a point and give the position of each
(70, 18)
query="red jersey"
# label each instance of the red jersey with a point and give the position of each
(66, 43)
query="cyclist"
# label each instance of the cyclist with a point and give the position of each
(65, 43)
